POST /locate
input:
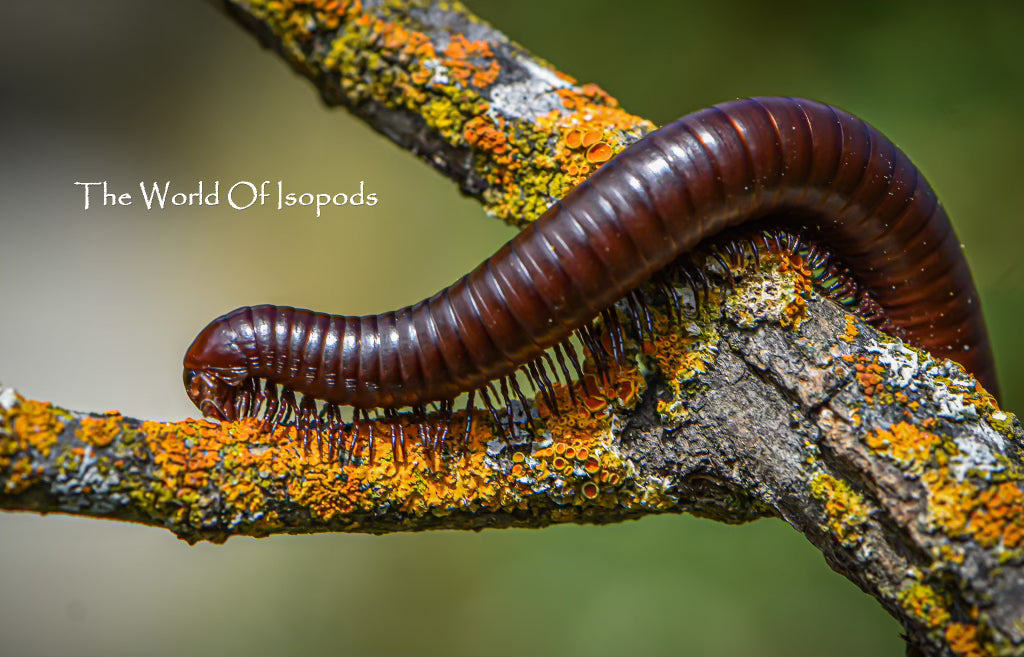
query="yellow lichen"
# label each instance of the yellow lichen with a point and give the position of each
(950, 501)
(845, 510)
(925, 604)
(681, 358)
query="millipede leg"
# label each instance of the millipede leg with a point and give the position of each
(596, 350)
(469, 418)
(355, 434)
(632, 317)
(542, 383)
(244, 400)
(571, 353)
(237, 403)
(565, 371)
(522, 399)
(283, 410)
(614, 332)
(373, 435)
(333, 424)
(692, 284)
(725, 268)
(288, 405)
(322, 427)
(392, 434)
(705, 286)
(508, 407)
(258, 399)
(757, 254)
(648, 322)
(729, 249)
(532, 377)
(490, 407)
(675, 304)
(401, 438)
(446, 418)
(554, 372)
(635, 305)
(397, 436)
(539, 364)
(270, 392)
(662, 284)
(304, 422)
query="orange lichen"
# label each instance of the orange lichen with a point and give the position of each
(297, 20)
(591, 137)
(417, 482)
(999, 517)
(993, 517)
(963, 640)
(594, 131)
(905, 443)
(851, 333)
(796, 312)
(599, 153)
(595, 403)
(463, 56)
(40, 424)
(100, 431)
(35, 427)
(871, 378)
(590, 490)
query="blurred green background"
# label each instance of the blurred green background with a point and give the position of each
(99, 306)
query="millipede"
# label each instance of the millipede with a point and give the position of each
(827, 184)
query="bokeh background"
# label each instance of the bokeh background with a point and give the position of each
(98, 308)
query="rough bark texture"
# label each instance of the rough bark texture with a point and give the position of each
(773, 402)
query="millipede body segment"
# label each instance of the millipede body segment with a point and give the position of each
(809, 168)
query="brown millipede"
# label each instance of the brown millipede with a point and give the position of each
(810, 168)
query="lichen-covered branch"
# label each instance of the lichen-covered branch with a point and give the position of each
(903, 472)
(508, 128)
(898, 467)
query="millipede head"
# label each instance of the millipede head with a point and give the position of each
(215, 371)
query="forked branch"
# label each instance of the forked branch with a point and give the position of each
(773, 402)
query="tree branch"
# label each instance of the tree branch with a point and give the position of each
(897, 466)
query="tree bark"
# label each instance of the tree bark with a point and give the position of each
(774, 402)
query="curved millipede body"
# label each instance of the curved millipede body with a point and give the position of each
(813, 169)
